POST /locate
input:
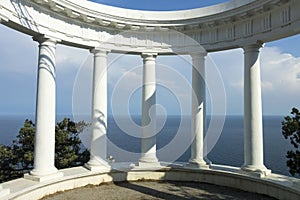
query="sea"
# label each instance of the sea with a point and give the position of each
(228, 148)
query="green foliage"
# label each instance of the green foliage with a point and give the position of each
(67, 144)
(8, 170)
(17, 159)
(23, 146)
(291, 131)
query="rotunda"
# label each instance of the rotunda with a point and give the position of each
(102, 29)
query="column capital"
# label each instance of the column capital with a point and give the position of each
(196, 55)
(46, 40)
(149, 56)
(253, 47)
(98, 52)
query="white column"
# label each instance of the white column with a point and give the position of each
(198, 110)
(148, 141)
(44, 141)
(253, 129)
(99, 113)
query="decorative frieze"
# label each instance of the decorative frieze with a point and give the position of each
(230, 32)
(56, 7)
(151, 38)
(213, 34)
(248, 29)
(286, 15)
(118, 40)
(133, 40)
(102, 36)
(78, 23)
(197, 36)
(267, 22)
(71, 13)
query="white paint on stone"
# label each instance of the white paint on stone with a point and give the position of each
(253, 129)
(148, 140)
(198, 110)
(84, 24)
(99, 113)
(274, 185)
(44, 141)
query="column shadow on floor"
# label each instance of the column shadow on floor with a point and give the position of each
(187, 190)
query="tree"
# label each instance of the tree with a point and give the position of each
(23, 147)
(7, 169)
(17, 159)
(67, 144)
(291, 131)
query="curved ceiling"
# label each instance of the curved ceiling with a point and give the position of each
(162, 5)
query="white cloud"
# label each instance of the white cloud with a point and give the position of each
(279, 75)
(266, 85)
(280, 70)
(70, 56)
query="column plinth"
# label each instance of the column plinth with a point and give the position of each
(98, 155)
(253, 129)
(198, 111)
(4, 192)
(44, 141)
(148, 141)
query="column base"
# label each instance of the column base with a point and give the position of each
(148, 159)
(149, 165)
(201, 164)
(97, 167)
(3, 192)
(42, 178)
(43, 172)
(149, 162)
(255, 171)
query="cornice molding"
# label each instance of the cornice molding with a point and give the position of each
(80, 24)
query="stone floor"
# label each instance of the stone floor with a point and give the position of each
(156, 190)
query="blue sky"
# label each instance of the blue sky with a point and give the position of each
(160, 4)
(280, 71)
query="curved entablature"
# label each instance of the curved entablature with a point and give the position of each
(98, 12)
(246, 24)
(86, 24)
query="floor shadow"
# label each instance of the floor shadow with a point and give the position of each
(153, 190)
(188, 190)
(148, 191)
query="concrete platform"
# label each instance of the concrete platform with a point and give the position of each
(156, 190)
(273, 185)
